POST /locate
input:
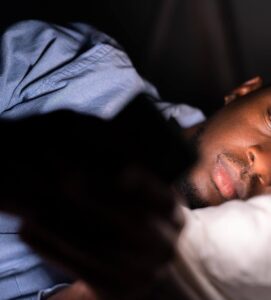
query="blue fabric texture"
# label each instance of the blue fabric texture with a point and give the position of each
(22, 273)
(46, 67)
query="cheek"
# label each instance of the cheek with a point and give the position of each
(220, 140)
(232, 129)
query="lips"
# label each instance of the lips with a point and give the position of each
(226, 176)
(224, 182)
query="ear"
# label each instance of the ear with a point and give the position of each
(244, 89)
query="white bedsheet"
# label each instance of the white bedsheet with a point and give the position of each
(227, 248)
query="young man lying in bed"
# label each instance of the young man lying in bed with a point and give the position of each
(234, 150)
(46, 67)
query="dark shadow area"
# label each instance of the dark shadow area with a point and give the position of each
(110, 186)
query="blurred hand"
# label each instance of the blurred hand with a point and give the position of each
(119, 242)
(95, 196)
(77, 291)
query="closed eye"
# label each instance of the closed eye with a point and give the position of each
(268, 118)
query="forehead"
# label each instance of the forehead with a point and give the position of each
(250, 104)
(256, 99)
(243, 111)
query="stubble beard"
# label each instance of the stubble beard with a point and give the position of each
(185, 185)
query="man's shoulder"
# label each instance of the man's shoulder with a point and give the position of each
(72, 67)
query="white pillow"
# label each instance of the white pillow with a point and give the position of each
(228, 248)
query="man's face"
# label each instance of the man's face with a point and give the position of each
(234, 152)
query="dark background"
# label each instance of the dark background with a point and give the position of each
(193, 50)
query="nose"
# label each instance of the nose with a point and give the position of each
(259, 158)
